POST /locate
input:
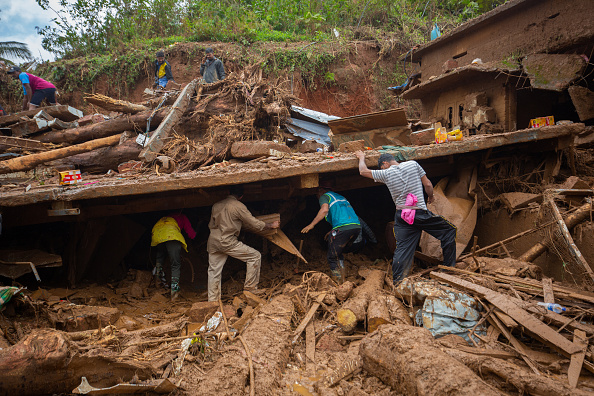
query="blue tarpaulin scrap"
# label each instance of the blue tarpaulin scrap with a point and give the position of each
(401, 153)
(444, 310)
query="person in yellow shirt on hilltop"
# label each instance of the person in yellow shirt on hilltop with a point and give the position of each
(162, 71)
(168, 239)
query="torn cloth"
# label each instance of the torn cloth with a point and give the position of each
(408, 215)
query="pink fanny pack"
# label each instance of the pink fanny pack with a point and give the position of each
(408, 215)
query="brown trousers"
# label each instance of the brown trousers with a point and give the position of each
(217, 260)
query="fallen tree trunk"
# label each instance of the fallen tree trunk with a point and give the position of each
(268, 338)
(47, 362)
(377, 313)
(523, 380)
(355, 308)
(103, 159)
(136, 122)
(398, 312)
(63, 112)
(156, 142)
(31, 161)
(407, 359)
(571, 221)
(111, 104)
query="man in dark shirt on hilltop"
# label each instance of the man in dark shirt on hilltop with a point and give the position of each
(212, 69)
(406, 181)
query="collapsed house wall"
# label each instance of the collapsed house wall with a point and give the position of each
(517, 28)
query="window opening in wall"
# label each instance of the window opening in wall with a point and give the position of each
(450, 116)
(460, 114)
(460, 55)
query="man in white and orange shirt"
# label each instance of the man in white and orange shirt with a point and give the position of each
(35, 89)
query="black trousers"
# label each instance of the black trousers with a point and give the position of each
(337, 241)
(408, 236)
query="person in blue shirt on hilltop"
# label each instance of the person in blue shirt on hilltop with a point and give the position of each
(162, 71)
(345, 227)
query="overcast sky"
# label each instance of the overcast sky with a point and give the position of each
(18, 19)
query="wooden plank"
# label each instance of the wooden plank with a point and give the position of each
(310, 347)
(547, 289)
(505, 319)
(365, 122)
(27, 144)
(560, 290)
(63, 112)
(192, 180)
(308, 317)
(520, 347)
(577, 359)
(157, 140)
(579, 258)
(534, 326)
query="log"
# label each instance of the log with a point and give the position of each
(525, 381)
(63, 112)
(31, 161)
(344, 291)
(355, 308)
(571, 221)
(377, 313)
(156, 142)
(121, 106)
(268, 339)
(398, 355)
(136, 122)
(398, 312)
(103, 159)
(47, 362)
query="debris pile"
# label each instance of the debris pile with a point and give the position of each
(198, 128)
(489, 326)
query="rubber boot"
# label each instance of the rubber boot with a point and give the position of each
(342, 270)
(336, 276)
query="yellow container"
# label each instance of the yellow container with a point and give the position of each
(441, 135)
(455, 135)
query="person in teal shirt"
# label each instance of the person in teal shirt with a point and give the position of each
(345, 228)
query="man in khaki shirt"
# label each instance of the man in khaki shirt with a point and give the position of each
(226, 220)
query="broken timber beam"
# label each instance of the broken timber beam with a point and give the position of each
(579, 258)
(156, 142)
(577, 359)
(308, 317)
(63, 112)
(571, 221)
(31, 161)
(102, 129)
(121, 106)
(534, 326)
(27, 144)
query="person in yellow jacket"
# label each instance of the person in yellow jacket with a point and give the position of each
(162, 71)
(168, 239)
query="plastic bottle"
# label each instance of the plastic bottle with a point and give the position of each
(552, 307)
(435, 33)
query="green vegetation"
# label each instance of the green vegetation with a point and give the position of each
(89, 27)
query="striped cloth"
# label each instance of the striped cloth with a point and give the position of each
(401, 180)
